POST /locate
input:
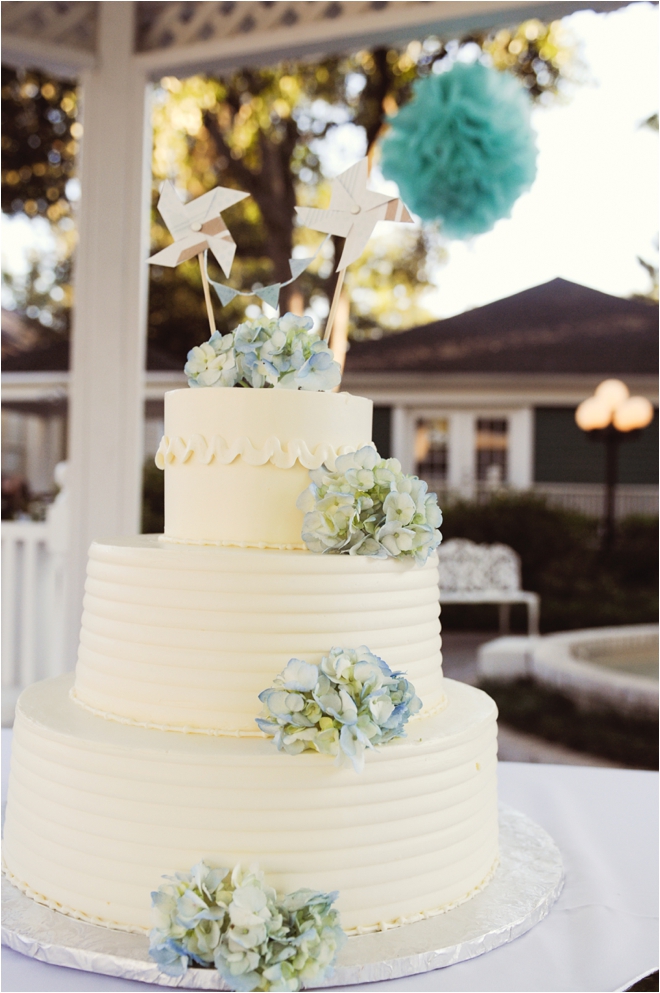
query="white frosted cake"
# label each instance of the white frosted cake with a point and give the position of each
(150, 759)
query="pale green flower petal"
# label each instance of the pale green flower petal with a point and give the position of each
(354, 703)
(367, 506)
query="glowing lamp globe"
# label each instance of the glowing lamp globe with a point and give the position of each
(592, 414)
(634, 413)
(612, 392)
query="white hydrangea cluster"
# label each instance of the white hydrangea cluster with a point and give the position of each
(234, 921)
(368, 506)
(352, 701)
(283, 353)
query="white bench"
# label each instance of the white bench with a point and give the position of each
(471, 573)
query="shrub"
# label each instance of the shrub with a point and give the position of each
(153, 499)
(547, 713)
(561, 559)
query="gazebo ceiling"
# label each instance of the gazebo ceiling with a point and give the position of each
(72, 24)
(185, 37)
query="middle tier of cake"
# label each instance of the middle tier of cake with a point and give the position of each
(183, 637)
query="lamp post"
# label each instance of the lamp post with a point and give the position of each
(611, 415)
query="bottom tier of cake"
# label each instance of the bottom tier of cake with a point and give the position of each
(98, 811)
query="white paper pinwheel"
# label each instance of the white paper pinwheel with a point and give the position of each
(197, 225)
(354, 212)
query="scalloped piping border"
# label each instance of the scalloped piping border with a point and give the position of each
(351, 932)
(284, 456)
(213, 732)
(225, 543)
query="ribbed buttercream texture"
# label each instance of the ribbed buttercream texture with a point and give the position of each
(187, 637)
(99, 811)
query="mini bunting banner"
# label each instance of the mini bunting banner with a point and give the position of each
(269, 294)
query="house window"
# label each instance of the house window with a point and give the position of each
(431, 451)
(492, 442)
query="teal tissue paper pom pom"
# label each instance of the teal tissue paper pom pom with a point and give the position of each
(463, 149)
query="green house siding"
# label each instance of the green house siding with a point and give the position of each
(565, 454)
(382, 431)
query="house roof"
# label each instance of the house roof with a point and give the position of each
(558, 327)
(28, 348)
(19, 335)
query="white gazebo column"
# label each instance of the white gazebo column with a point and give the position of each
(462, 454)
(108, 345)
(521, 448)
(403, 437)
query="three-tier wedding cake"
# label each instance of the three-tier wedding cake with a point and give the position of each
(156, 756)
(149, 758)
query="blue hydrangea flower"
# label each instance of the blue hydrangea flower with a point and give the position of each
(234, 921)
(283, 353)
(368, 506)
(213, 363)
(350, 702)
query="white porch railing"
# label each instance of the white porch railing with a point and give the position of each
(34, 589)
(586, 498)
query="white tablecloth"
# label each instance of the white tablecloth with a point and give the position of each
(601, 935)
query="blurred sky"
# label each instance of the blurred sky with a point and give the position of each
(593, 208)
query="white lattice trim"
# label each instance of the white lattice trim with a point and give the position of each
(284, 456)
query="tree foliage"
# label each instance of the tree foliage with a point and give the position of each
(40, 142)
(263, 130)
(267, 131)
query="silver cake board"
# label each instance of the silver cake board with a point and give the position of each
(528, 880)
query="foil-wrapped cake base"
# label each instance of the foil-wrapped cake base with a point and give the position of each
(526, 883)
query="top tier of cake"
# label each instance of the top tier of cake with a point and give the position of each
(236, 460)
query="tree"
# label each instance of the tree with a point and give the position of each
(40, 142)
(261, 130)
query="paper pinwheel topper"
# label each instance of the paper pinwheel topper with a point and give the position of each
(353, 214)
(197, 226)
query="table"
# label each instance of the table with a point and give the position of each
(601, 935)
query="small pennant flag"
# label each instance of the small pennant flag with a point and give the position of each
(269, 294)
(225, 293)
(299, 265)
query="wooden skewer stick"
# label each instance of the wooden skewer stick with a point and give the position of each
(334, 305)
(207, 291)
